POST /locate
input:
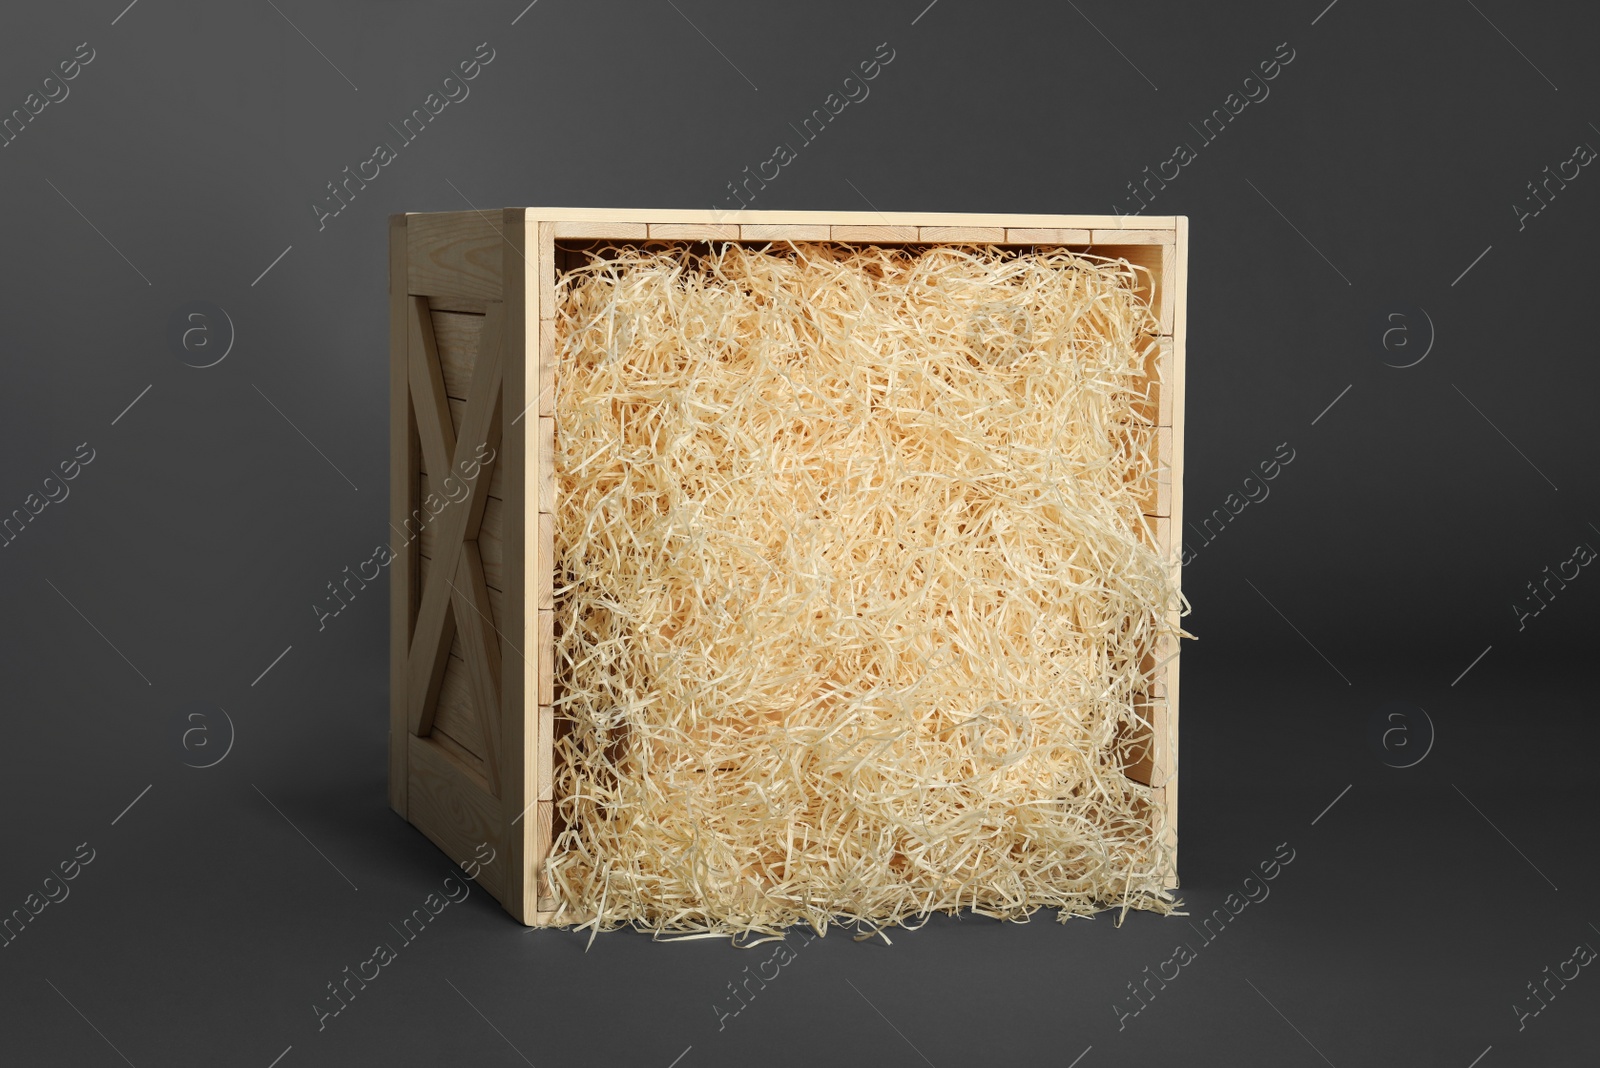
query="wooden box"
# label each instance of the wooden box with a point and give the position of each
(472, 328)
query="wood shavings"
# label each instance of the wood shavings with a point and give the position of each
(851, 588)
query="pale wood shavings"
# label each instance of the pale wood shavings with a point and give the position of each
(851, 592)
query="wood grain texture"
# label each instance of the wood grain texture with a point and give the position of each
(547, 555)
(468, 762)
(544, 755)
(547, 368)
(434, 629)
(458, 333)
(1178, 284)
(456, 524)
(880, 232)
(491, 544)
(435, 428)
(547, 657)
(404, 451)
(1167, 292)
(543, 825)
(547, 465)
(497, 603)
(496, 483)
(1048, 235)
(480, 438)
(544, 262)
(982, 235)
(1166, 764)
(782, 232)
(609, 231)
(694, 232)
(519, 729)
(480, 646)
(1135, 237)
(492, 547)
(455, 335)
(453, 254)
(457, 716)
(454, 812)
(466, 305)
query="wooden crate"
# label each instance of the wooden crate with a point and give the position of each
(472, 329)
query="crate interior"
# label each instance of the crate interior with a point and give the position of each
(1137, 747)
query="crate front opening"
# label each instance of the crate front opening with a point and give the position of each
(857, 591)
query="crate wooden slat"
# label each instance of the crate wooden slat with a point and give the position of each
(1048, 235)
(868, 234)
(472, 380)
(614, 230)
(694, 232)
(1119, 236)
(983, 235)
(784, 232)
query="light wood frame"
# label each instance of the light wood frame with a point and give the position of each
(472, 342)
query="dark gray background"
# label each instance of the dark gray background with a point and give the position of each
(1387, 558)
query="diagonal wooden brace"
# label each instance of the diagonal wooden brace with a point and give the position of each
(466, 458)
